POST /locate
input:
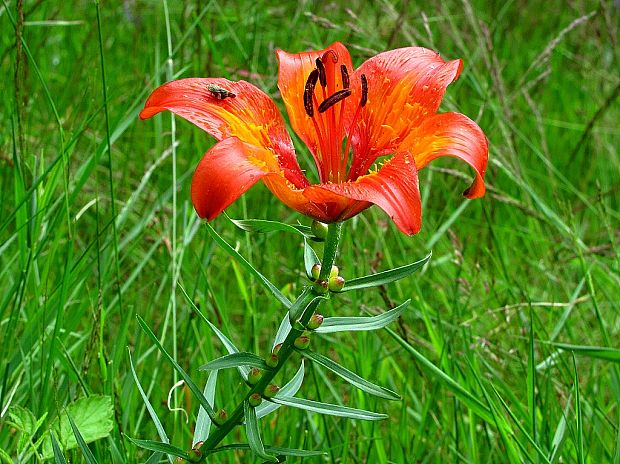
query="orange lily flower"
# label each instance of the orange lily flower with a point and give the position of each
(348, 119)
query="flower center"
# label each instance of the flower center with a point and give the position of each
(329, 115)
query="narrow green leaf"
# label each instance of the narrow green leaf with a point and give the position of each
(188, 381)
(290, 389)
(160, 447)
(58, 456)
(203, 421)
(310, 258)
(248, 267)
(302, 303)
(465, 396)
(88, 455)
(598, 352)
(283, 330)
(149, 407)
(385, 277)
(270, 449)
(328, 409)
(351, 377)
(242, 358)
(351, 324)
(253, 433)
(559, 435)
(262, 226)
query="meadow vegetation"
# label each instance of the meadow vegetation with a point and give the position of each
(508, 352)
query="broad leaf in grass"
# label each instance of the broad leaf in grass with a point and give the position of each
(328, 409)
(351, 377)
(24, 421)
(160, 447)
(290, 389)
(243, 358)
(92, 417)
(253, 433)
(385, 277)
(262, 226)
(353, 324)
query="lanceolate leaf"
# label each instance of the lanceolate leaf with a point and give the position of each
(599, 352)
(88, 455)
(253, 434)
(385, 277)
(190, 383)
(230, 346)
(248, 267)
(58, 456)
(149, 407)
(351, 377)
(203, 421)
(262, 226)
(351, 324)
(283, 330)
(235, 360)
(161, 447)
(290, 389)
(310, 258)
(328, 409)
(270, 449)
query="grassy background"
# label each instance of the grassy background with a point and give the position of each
(90, 237)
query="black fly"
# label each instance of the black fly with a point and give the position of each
(219, 92)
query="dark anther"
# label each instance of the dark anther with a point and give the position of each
(309, 92)
(345, 76)
(364, 98)
(333, 99)
(321, 69)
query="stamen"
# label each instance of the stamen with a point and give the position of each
(364, 98)
(345, 76)
(322, 76)
(333, 99)
(309, 92)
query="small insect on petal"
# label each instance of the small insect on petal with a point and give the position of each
(219, 92)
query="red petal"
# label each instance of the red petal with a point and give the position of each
(294, 69)
(227, 171)
(251, 115)
(404, 87)
(394, 188)
(451, 134)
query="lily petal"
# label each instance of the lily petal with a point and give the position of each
(250, 115)
(294, 69)
(451, 134)
(227, 171)
(405, 86)
(394, 188)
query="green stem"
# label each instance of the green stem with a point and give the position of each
(308, 300)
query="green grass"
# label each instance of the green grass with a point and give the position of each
(494, 358)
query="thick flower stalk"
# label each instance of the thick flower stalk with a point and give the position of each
(368, 129)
